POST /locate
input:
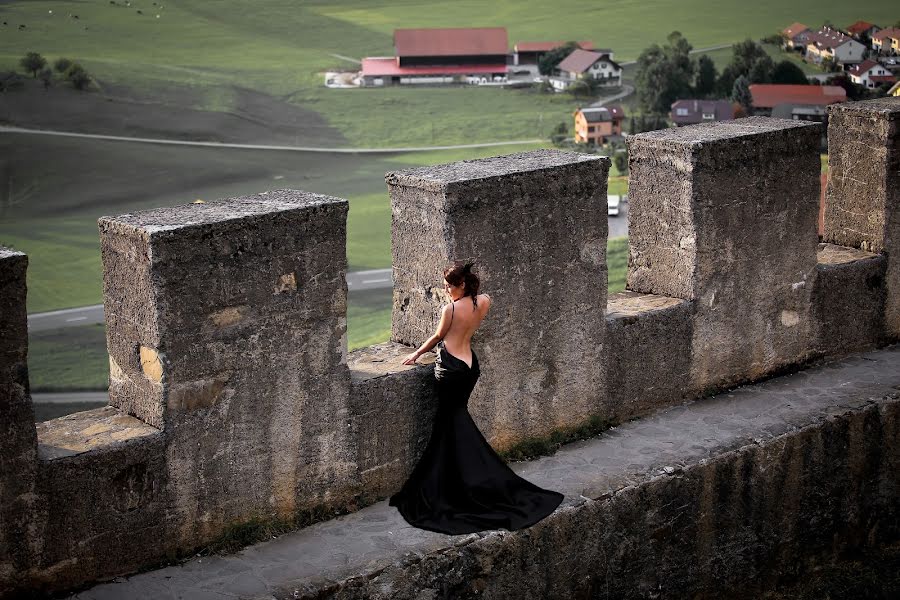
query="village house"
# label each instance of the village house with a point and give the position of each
(795, 36)
(431, 56)
(887, 41)
(862, 29)
(870, 74)
(690, 112)
(584, 64)
(808, 101)
(529, 53)
(831, 44)
(596, 125)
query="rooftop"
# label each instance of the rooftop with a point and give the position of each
(769, 95)
(451, 41)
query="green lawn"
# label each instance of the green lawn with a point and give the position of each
(281, 47)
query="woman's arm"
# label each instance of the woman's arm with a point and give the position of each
(440, 332)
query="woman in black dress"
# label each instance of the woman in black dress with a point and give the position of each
(460, 484)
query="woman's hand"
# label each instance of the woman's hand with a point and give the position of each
(410, 359)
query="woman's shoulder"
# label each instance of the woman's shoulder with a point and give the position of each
(486, 299)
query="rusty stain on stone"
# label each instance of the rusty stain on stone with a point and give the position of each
(151, 365)
(115, 371)
(228, 316)
(198, 394)
(286, 283)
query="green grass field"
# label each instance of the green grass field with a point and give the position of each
(282, 47)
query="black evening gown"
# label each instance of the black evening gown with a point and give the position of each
(460, 484)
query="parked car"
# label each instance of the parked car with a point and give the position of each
(612, 205)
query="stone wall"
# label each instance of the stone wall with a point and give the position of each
(234, 401)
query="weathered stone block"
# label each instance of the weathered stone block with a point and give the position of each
(393, 407)
(862, 199)
(227, 321)
(724, 214)
(536, 224)
(848, 299)
(18, 446)
(648, 357)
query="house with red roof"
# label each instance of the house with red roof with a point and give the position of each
(584, 64)
(690, 111)
(529, 53)
(431, 56)
(862, 29)
(795, 36)
(768, 96)
(887, 41)
(596, 125)
(831, 44)
(870, 74)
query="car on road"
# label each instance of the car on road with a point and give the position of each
(612, 205)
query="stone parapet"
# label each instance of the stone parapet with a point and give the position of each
(724, 214)
(535, 224)
(393, 407)
(648, 354)
(18, 442)
(862, 198)
(848, 300)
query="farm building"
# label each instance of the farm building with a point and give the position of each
(428, 56)
(583, 64)
(768, 96)
(529, 53)
(598, 125)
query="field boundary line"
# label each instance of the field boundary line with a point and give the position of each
(120, 138)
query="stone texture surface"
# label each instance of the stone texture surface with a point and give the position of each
(716, 498)
(18, 448)
(536, 224)
(393, 407)
(848, 299)
(87, 431)
(862, 199)
(725, 214)
(648, 354)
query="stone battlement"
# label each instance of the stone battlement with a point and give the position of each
(233, 399)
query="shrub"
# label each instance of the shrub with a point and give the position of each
(61, 65)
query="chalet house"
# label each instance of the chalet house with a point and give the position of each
(887, 41)
(828, 43)
(529, 53)
(429, 56)
(795, 36)
(767, 96)
(689, 112)
(584, 64)
(863, 28)
(597, 125)
(870, 74)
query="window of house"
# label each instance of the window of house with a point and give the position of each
(591, 129)
(709, 115)
(681, 112)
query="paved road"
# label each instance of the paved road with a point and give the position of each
(357, 281)
(120, 138)
(71, 398)
(627, 90)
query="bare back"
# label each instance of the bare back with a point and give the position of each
(466, 318)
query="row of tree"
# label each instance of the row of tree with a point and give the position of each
(667, 73)
(67, 69)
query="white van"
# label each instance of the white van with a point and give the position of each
(612, 205)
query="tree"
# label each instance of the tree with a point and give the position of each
(705, 81)
(78, 76)
(745, 54)
(47, 78)
(664, 74)
(787, 72)
(740, 93)
(62, 65)
(761, 71)
(33, 62)
(620, 158)
(550, 60)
